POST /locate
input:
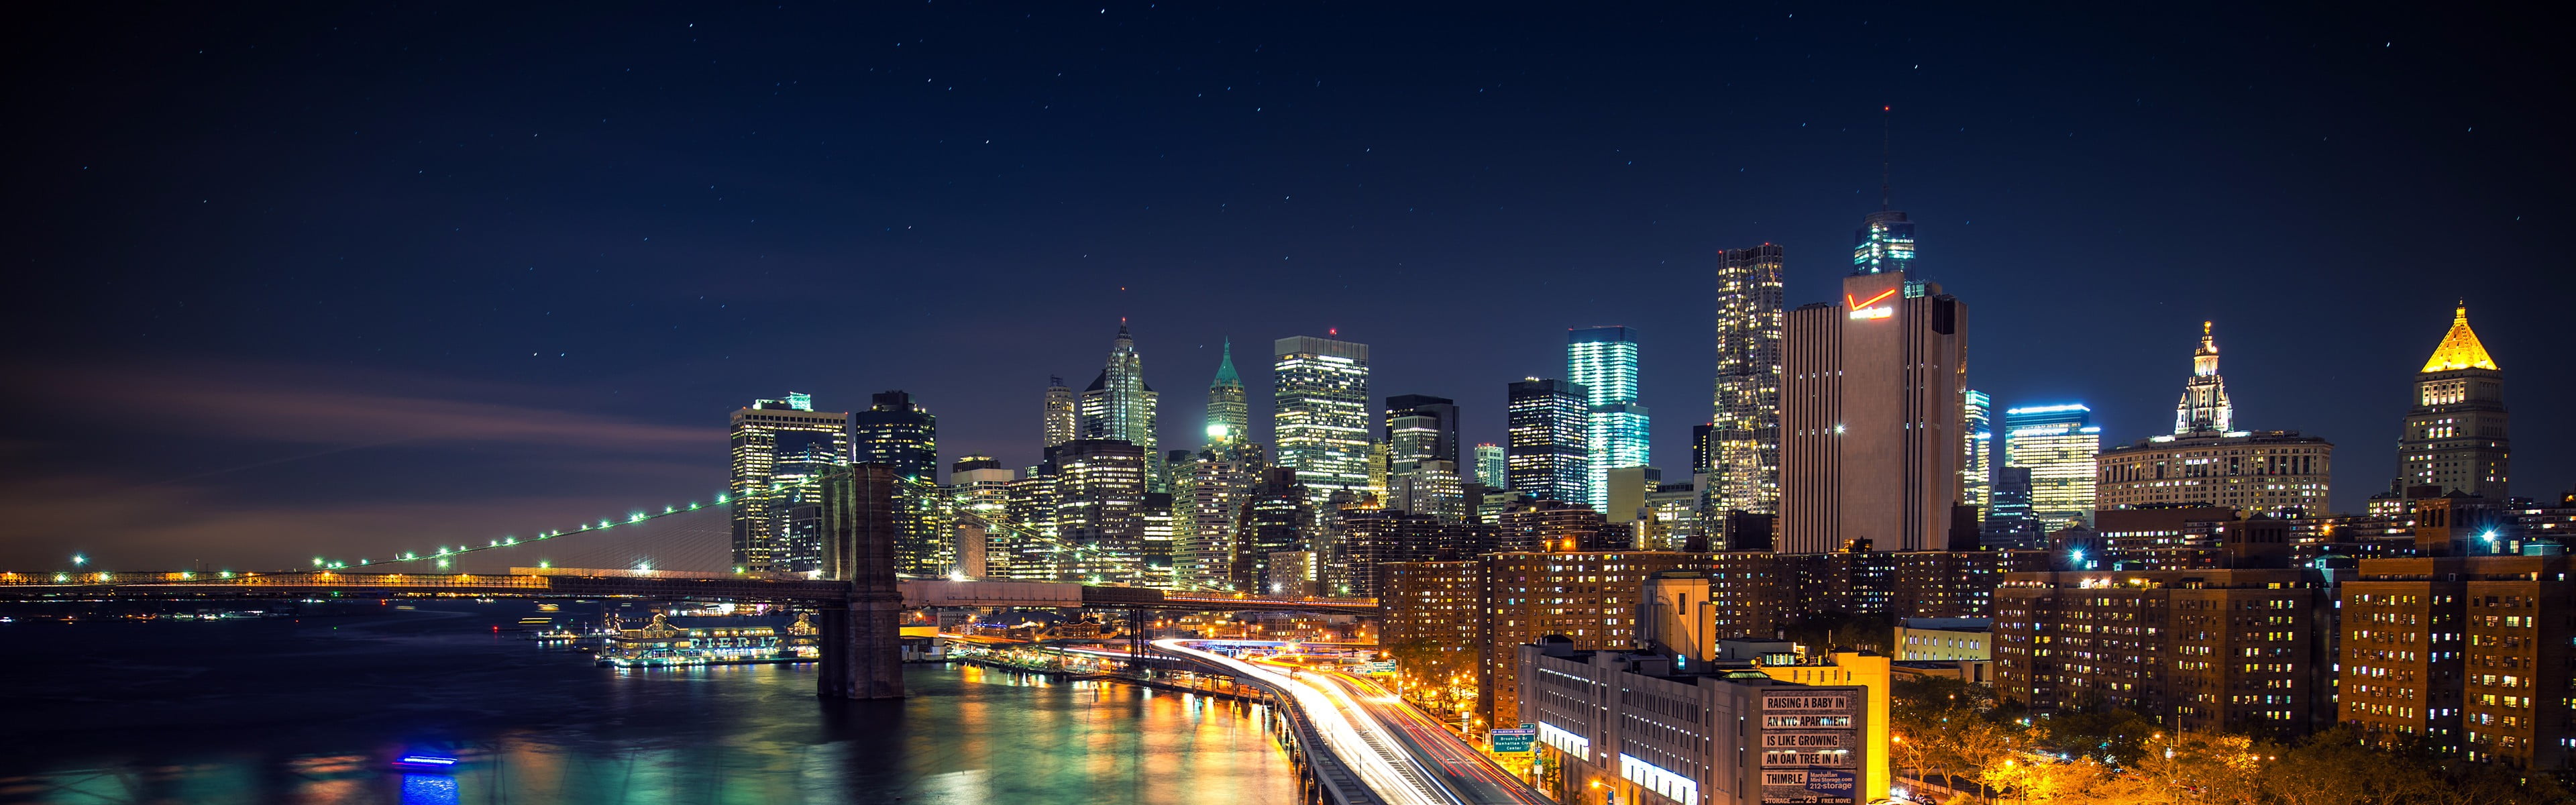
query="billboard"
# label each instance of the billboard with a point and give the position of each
(1811, 746)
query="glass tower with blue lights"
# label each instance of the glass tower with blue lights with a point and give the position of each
(1884, 244)
(1603, 360)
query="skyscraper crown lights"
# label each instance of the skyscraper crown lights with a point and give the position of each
(2460, 348)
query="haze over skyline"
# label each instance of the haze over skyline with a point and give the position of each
(343, 279)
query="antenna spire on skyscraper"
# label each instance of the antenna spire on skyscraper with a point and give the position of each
(1886, 152)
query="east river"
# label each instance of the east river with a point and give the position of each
(311, 710)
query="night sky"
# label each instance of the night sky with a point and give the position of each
(364, 276)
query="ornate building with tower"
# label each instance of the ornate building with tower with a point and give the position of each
(2455, 435)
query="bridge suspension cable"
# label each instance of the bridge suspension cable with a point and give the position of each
(442, 556)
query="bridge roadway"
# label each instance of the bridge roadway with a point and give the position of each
(522, 582)
(1394, 750)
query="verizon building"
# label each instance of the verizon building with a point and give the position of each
(1870, 415)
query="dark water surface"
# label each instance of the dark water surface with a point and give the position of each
(310, 710)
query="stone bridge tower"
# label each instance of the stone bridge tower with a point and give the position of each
(862, 635)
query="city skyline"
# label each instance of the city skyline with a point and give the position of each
(863, 375)
(404, 361)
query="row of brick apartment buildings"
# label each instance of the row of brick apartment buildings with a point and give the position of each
(2471, 653)
(1460, 623)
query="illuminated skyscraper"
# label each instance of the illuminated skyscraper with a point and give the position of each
(1550, 424)
(1492, 467)
(1059, 424)
(1229, 415)
(2204, 408)
(1277, 519)
(2455, 435)
(1603, 361)
(1977, 444)
(1320, 413)
(1744, 436)
(1100, 511)
(779, 446)
(1870, 420)
(2059, 444)
(1421, 428)
(1884, 244)
(979, 492)
(899, 433)
(1208, 494)
(2009, 523)
(1118, 405)
(1422, 467)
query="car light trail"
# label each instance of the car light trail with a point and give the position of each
(1345, 726)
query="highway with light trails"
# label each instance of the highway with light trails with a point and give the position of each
(1398, 752)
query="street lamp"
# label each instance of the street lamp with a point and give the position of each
(79, 560)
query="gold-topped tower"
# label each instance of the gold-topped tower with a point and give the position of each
(2456, 436)
(2460, 348)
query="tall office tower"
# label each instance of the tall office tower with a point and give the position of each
(762, 434)
(1869, 422)
(1427, 487)
(800, 460)
(1884, 244)
(1421, 428)
(1099, 508)
(2455, 436)
(1493, 469)
(2204, 407)
(1229, 415)
(979, 493)
(1377, 467)
(1320, 413)
(1421, 445)
(1161, 542)
(1550, 423)
(1277, 517)
(1977, 444)
(1038, 553)
(1744, 438)
(1207, 501)
(1603, 360)
(2009, 523)
(1059, 424)
(899, 433)
(2061, 447)
(1118, 405)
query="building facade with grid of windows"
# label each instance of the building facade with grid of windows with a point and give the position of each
(2471, 654)
(1589, 597)
(2192, 649)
